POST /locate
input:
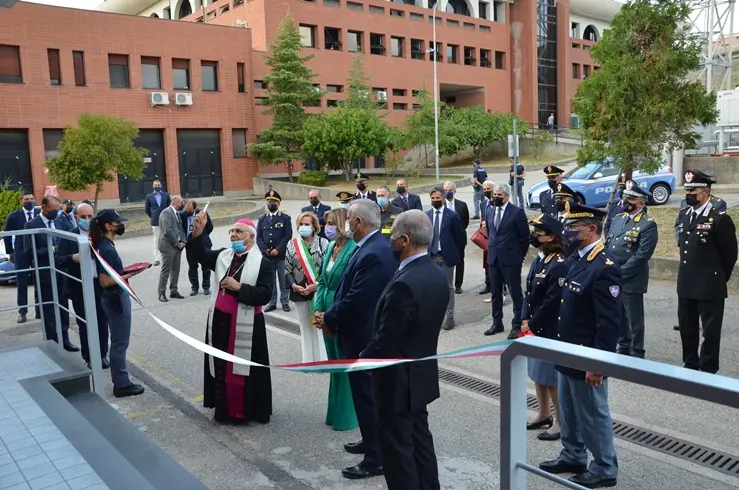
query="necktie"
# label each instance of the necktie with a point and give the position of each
(498, 212)
(435, 236)
(692, 217)
(53, 239)
(405, 202)
(29, 217)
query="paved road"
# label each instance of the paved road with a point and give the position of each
(297, 451)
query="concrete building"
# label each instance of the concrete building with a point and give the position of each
(58, 63)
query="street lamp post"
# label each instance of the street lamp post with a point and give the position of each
(436, 93)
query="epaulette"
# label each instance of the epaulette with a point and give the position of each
(716, 199)
(550, 257)
(596, 250)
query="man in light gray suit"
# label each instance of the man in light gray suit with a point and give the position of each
(171, 243)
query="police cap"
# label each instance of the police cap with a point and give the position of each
(563, 191)
(108, 216)
(632, 189)
(344, 196)
(547, 223)
(576, 212)
(697, 179)
(552, 171)
(360, 176)
(273, 196)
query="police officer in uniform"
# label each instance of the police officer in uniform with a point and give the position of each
(708, 252)
(388, 211)
(344, 198)
(362, 192)
(617, 205)
(546, 198)
(631, 240)
(562, 195)
(589, 315)
(716, 202)
(274, 231)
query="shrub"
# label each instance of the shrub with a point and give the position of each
(9, 201)
(314, 178)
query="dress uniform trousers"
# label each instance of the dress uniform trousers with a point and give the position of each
(691, 313)
(631, 332)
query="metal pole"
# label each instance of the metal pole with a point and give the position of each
(37, 286)
(91, 318)
(710, 51)
(54, 289)
(512, 421)
(515, 163)
(436, 94)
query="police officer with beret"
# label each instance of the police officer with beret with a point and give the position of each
(589, 315)
(546, 198)
(362, 192)
(708, 252)
(274, 231)
(562, 195)
(631, 240)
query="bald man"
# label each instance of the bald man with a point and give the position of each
(67, 259)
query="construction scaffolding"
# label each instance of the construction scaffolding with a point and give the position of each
(713, 20)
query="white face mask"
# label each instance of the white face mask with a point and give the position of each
(348, 229)
(344, 205)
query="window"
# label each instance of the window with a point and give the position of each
(399, 92)
(332, 103)
(78, 57)
(238, 138)
(484, 29)
(118, 69)
(209, 73)
(240, 78)
(355, 41)
(332, 3)
(417, 49)
(435, 54)
(576, 71)
(485, 58)
(376, 10)
(181, 74)
(10, 64)
(452, 23)
(396, 46)
(416, 107)
(260, 84)
(415, 93)
(575, 30)
(452, 53)
(238, 2)
(499, 10)
(397, 13)
(52, 138)
(354, 6)
(260, 100)
(590, 34)
(415, 16)
(332, 38)
(150, 73)
(546, 58)
(307, 36)
(585, 71)
(484, 8)
(334, 89)
(469, 56)
(225, 8)
(468, 26)
(377, 43)
(55, 70)
(400, 106)
(500, 60)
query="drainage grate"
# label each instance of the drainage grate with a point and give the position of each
(672, 446)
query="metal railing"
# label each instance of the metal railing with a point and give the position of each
(673, 379)
(88, 292)
(560, 134)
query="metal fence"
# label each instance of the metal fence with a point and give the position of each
(59, 300)
(559, 134)
(513, 467)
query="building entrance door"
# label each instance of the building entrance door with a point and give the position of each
(200, 162)
(135, 190)
(15, 159)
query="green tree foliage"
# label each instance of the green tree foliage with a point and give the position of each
(98, 150)
(9, 200)
(478, 129)
(359, 95)
(640, 100)
(419, 128)
(290, 88)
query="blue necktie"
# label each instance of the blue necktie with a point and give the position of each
(435, 237)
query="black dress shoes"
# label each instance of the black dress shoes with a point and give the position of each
(69, 347)
(105, 362)
(676, 328)
(38, 316)
(354, 447)
(21, 318)
(194, 292)
(514, 334)
(176, 296)
(458, 290)
(269, 308)
(589, 480)
(285, 307)
(546, 422)
(485, 290)
(494, 329)
(130, 390)
(360, 472)
(546, 436)
(557, 466)
(206, 292)
(163, 298)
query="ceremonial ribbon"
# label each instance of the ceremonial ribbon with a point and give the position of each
(334, 366)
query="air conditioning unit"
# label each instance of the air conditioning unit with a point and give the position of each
(381, 95)
(183, 98)
(159, 98)
(241, 23)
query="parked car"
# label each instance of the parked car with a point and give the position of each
(7, 269)
(593, 183)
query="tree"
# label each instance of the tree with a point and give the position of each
(478, 128)
(640, 101)
(98, 150)
(419, 127)
(290, 88)
(359, 93)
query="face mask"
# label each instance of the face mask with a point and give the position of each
(305, 231)
(553, 185)
(68, 209)
(437, 204)
(51, 215)
(314, 201)
(396, 253)
(332, 233)
(189, 213)
(572, 241)
(84, 224)
(498, 201)
(382, 201)
(344, 205)
(400, 189)
(488, 194)
(691, 199)
(348, 229)
(449, 195)
(534, 239)
(361, 186)
(28, 205)
(120, 229)
(238, 247)
(272, 207)
(629, 207)
(561, 206)
(158, 189)
(181, 207)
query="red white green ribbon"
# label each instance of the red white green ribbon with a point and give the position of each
(334, 366)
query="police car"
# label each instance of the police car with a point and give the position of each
(593, 183)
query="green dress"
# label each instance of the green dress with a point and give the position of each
(340, 414)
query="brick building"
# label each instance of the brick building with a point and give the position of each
(58, 63)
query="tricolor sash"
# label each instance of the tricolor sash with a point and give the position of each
(307, 264)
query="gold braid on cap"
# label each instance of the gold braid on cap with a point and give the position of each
(582, 215)
(537, 219)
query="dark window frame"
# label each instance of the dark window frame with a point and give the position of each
(181, 64)
(119, 70)
(55, 66)
(78, 60)
(209, 69)
(313, 37)
(157, 63)
(241, 77)
(237, 152)
(359, 41)
(10, 69)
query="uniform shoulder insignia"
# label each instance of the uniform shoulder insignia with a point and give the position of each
(609, 261)
(550, 257)
(560, 259)
(596, 250)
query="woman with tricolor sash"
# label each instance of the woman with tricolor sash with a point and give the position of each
(303, 262)
(340, 413)
(239, 393)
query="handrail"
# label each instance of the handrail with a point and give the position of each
(513, 468)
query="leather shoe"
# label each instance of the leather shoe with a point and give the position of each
(194, 292)
(360, 472)
(38, 316)
(70, 347)
(21, 318)
(206, 292)
(494, 329)
(676, 328)
(589, 480)
(106, 363)
(513, 335)
(457, 290)
(270, 308)
(557, 466)
(546, 436)
(485, 290)
(354, 447)
(163, 298)
(540, 423)
(449, 325)
(130, 390)
(285, 307)
(176, 296)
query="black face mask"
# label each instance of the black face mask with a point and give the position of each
(553, 185)
(691, 199)
(119, 229)
(534, 239)
(68, 209)
(189, 213)
(314, 201)
(272, 207)
(498, 201)
(361, 186)
(488, 194)
(629, 207)
(437, 204)
(400, 189)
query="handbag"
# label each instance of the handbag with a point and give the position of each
(480, 238)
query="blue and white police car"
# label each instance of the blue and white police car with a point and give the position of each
(593, 183)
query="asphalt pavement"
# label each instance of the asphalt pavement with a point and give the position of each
(297, 451)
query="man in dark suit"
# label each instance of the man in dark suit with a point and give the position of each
(67, 258)
(508, 241)
(187, 218)
(405, 200)
(14, 248)
(66, 216)
(156, 202)
(447, 240)
(46, 219)
(366, 275)
(318, 208)
(362, 192)
(407, 322)
(459, 207)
